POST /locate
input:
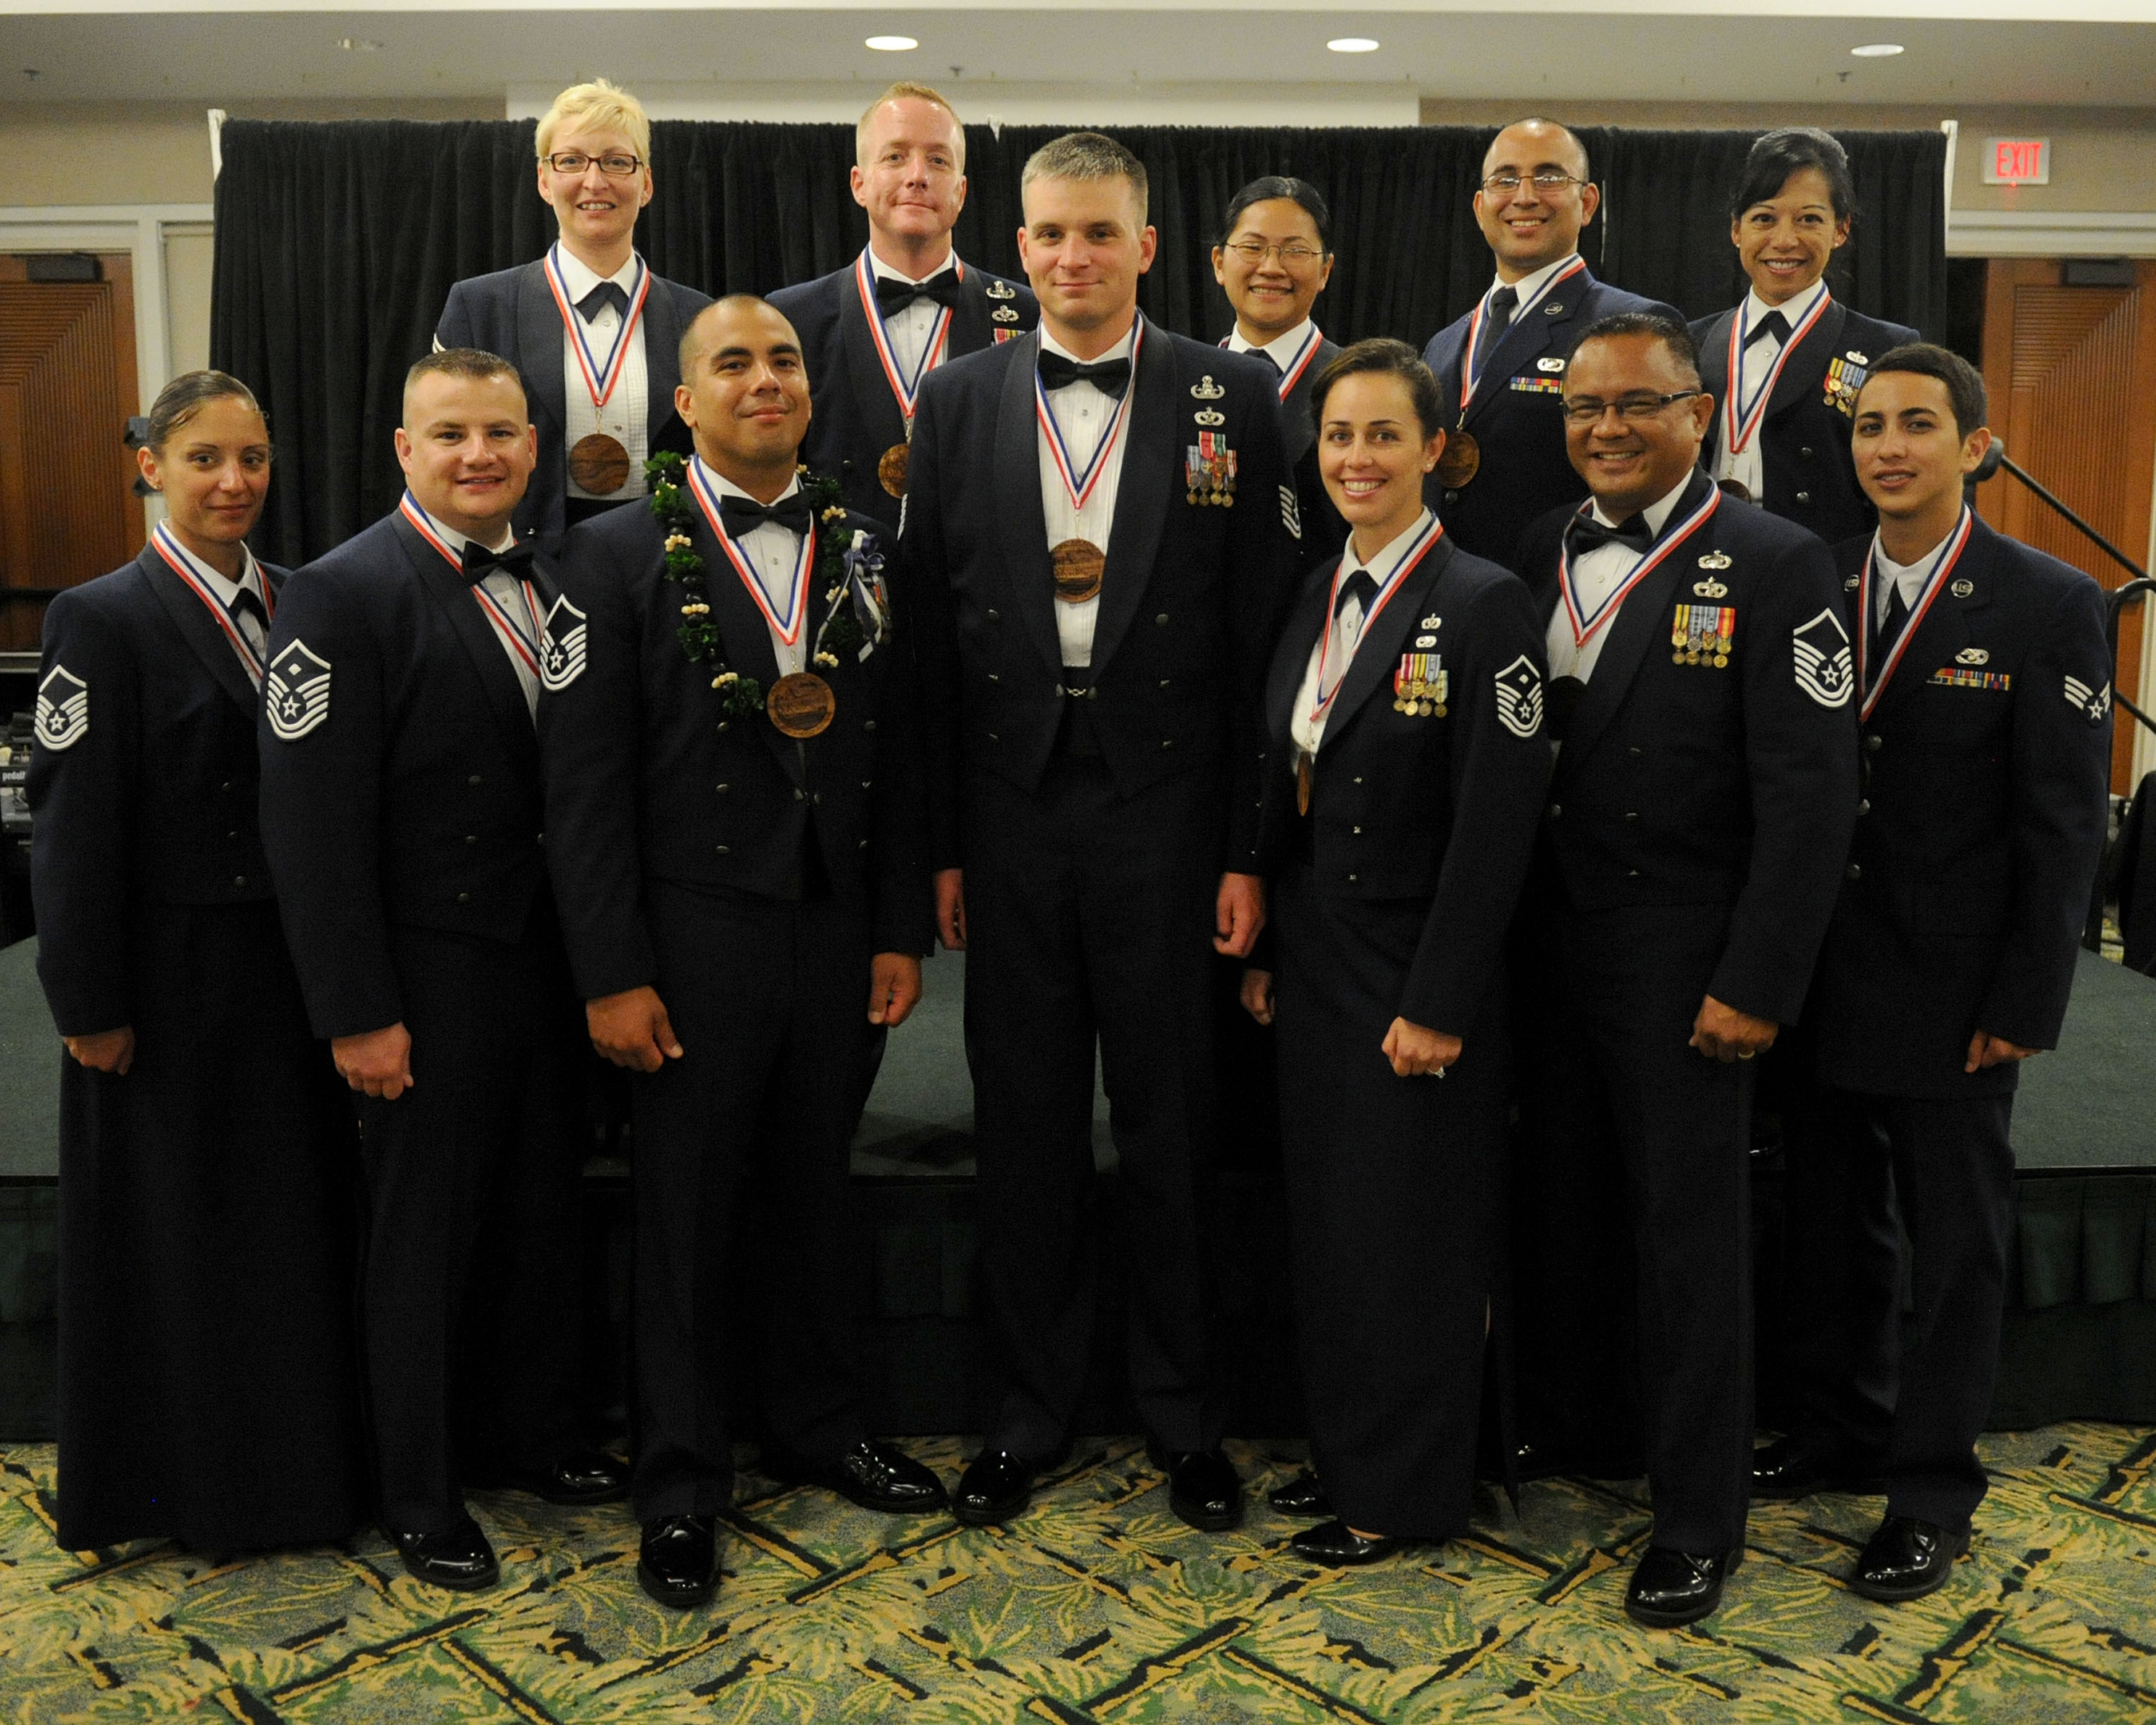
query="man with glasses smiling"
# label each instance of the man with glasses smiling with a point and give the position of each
(1698, 820)
(590, 330)
(1502, 366)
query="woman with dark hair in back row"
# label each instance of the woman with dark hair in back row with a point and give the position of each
(1784, 367)
(206, 1377)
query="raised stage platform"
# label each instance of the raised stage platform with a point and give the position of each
(2080, 1333)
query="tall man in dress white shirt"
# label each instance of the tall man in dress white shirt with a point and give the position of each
(873, 330)
(592, 331)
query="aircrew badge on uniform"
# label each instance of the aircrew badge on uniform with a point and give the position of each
(1702, 634)
(297, 691)
(1000, 291)
(1208, 470)
(1520, 697)
(1711, 588)
(562, 647)
(1004, 314)
(1549, 362)
(1824, 670)
(1845, 376)
(1205, 389)
(63, 718)
(2094, 703)
(1973, 655)
(1420, 686)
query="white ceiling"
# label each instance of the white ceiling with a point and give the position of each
(1703, 50)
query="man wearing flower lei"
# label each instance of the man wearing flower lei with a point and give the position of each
(732, 805)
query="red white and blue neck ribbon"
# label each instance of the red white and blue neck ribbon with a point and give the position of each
(182, 564)
(1743, 410)
(523, 647)
(1471, 375)
(1586, 623)
(1418, 547)
(1297, 365)
(1078, 483)
(787, 626)
(903, 387)
(600, 376)
(1942, 562)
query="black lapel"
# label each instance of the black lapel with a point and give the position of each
(1143, 491)
(1380, 644)
(1942, 633)
(1526, 338)
(662, 356)
(1637, 626)
(1291, 662)
(448, 588)
(539, 339)
(1298, 425)
(971, 320)
(1807, 366)
(1017, 504)
(1451, 343)
(1714, 379)
(882, 424)
(199, 629)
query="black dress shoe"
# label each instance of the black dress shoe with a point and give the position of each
(878, 1477)
(1905, 1559)
(1790, 1468)
(1673, 1586)
(580, 1476)
(995, 1487)
(460, 1559)
(677, 1562)
(1302, 1495)
(1202, 1488)
(1337, 1545)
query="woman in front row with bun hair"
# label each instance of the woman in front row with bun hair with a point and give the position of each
(1407, 769)
(206, 1368)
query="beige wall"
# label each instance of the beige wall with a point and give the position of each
(2102, 158)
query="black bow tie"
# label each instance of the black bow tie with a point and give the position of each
(1773, 324)
(514, 560)
(1110, 377)
(1361, 586)
(945, 289)
(1586, 533)
(744, 515)
(606, 294)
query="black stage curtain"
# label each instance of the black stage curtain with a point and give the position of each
(338, 243)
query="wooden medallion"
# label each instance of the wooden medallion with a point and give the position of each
(598, 464)
(801, 704)
(1079, 566)
(890, 471)
(1458, 461)
(1303, 784)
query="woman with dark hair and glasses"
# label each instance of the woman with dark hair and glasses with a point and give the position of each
(1407, 766)
(1273, 260)
(1784, 367)
(206, 1380)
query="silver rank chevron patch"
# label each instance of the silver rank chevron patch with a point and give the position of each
(562, 647)
(1824, 670)
(63, 717)
(1520, 697)
(2094, 703)
(1291, 512)
(297, 692)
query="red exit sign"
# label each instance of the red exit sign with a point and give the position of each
(2017, 162)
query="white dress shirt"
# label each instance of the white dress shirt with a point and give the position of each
(1282, 350)
(250, 581)
(626, 417)
(1528, 286)
(1749, 468)
(507, 593)
(1887, 575)
(1083, 411)
(909, 330)
(1594, 577)
(774, 553)
(1336, 642)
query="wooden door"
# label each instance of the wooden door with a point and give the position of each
(2071, 372)
(68, 509)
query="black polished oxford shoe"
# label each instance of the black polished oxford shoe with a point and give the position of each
(1337, 1545)
(996, 1486)
(582, 1477)
(1670, 1587)
(875, 1475)
(677, 1562)
(1302, 1495)
(1789, 1468)
(1202, 1488)
(1905, 1559)
(459, 1559)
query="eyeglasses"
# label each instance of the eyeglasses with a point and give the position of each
(1548, 180)
(1634, 409)
(575, 161)
(1294, 254)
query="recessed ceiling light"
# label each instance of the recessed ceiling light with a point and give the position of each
(358, 44)
(892, 45)
(1878, 50)
(1353, 44)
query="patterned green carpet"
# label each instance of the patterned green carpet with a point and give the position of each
(1099, 1606)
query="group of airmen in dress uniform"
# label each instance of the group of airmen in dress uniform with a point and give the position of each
(1545, 726)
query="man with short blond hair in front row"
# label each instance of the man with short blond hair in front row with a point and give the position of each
(872, 330)
(1098, 543)
(591, 329)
